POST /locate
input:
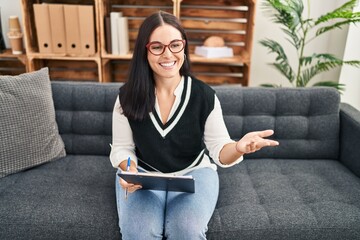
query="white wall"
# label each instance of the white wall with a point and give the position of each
(351, 75)
(9, 8)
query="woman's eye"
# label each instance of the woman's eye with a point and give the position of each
(156, 47)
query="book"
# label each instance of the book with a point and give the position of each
(123, 35)
(159, 181)
(214, 52)
(107, 25)
(114, 32)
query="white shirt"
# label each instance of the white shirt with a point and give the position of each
(215, 135)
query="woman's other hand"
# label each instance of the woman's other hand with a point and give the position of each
(254, 141)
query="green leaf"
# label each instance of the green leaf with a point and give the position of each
(295, 40)
(325, 63)
(336, 25)
(270, 85)
(281, 61)
(287, 13)
(341, 16)
(306, 76)
(307, 60)
(339, 86)
(345, 11)
(286, 70)
(354, 63)
(273, 46)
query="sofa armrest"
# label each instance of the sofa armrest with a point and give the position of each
(350, 137)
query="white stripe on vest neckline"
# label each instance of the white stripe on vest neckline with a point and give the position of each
(164, 132)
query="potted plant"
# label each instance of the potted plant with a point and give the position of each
(300, 31)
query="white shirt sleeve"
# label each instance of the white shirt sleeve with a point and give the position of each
(216, 134)
(123, 145)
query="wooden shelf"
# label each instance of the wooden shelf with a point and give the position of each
(7, 53)
(12, 64)
(236, 60)
(114, 57)
(231, 20)
(62, 57)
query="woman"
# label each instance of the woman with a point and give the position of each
(163, 119)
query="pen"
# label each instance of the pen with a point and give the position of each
(127, 169)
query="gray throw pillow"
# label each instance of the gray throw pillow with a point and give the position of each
(29, 133)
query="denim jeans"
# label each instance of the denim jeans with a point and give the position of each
(150, 214)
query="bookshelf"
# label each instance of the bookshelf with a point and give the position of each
(62, 66)
(232, 20)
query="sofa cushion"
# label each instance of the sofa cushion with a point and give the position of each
(305, 121)
(287, 199)
(84, 115)
(71, 198)
(28, 129)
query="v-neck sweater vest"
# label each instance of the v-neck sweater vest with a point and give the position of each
(178, 144)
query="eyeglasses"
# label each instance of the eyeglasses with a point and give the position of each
(157, 48)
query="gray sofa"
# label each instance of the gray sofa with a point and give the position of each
(306, 188)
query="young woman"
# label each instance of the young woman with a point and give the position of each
(163, 120)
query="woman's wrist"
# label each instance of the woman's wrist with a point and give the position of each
(123, 166)
(237, 149)
(229, 153)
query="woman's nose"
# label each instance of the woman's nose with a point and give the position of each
(167, 51)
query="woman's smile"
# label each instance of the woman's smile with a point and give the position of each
(168, 64)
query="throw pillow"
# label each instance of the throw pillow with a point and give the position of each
(29, 133)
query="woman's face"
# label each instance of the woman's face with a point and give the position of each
(168, 64)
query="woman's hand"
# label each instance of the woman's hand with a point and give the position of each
(125, 185)
(254, 141)
(129, 186)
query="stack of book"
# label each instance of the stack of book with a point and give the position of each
(117, 34)
(214, 52)
(65, 28)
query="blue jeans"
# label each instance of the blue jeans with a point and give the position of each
(150, 214)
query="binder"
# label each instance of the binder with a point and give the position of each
(87, 29)
(57, 24)
(123, 35)
(73, 43)
(43, 30)
(114, 16)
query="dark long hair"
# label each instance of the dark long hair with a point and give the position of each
(137, 95)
